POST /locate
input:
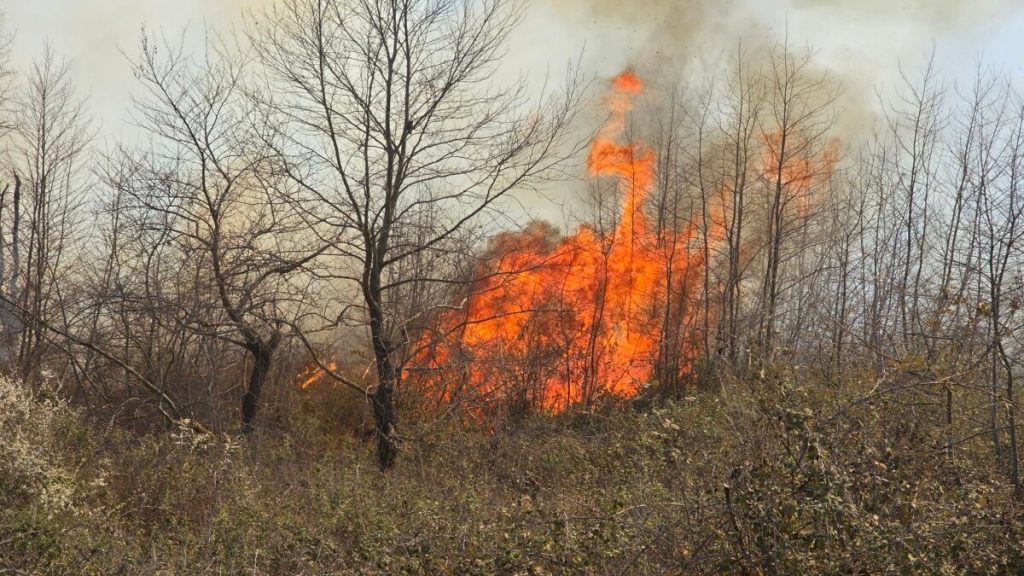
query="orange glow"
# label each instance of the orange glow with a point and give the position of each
(800, 172)
(551, 322)
(554, 322)
(313, 374)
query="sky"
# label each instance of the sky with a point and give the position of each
(867, 38)
(865, 42)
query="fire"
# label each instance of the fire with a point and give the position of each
(551, 322)
(800, 173)
(554, 322)
(313, 374)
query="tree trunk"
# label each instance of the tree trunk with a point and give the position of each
(262, 358)
(384, 396)
(1013, 463)
(13, 323)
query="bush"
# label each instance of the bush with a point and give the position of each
(32, 469)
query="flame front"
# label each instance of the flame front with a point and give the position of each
(551, 322)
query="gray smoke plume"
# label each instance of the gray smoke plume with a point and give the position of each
(671, 28)
(864, 44)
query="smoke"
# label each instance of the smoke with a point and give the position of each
(662, 33)
(674, 27)
(867, 46)
(940, 15)
(95, 35)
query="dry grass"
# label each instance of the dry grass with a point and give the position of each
(756, 479)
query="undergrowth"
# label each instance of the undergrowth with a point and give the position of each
(781, 475)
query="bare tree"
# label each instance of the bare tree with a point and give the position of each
(9, 198)
(741, 109)
(795, 131)
(211, 191)
(680, 141)
(999, 199)
(51, 136)
(915, 125)
(387, 109)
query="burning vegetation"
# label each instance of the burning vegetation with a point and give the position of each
(313, 374)
(552, 322)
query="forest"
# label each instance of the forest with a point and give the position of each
(306, 323)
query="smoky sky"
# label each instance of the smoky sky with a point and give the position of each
(666, 32)
(862, 41)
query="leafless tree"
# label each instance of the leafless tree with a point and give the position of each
(999, 163)
(915, 125)
(209, 191)
(386, 109)
(50, 140)
(796, 129)
(740, 113)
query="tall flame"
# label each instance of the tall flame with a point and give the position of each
(556, 322)
(550, 322)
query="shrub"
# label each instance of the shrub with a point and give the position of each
(32, 467)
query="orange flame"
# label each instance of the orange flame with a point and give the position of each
(551, 322)
(800, 173)
(313, 374)
(557, 322)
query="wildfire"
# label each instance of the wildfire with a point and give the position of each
(313, 374)
(799, 172)
(553, 322)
